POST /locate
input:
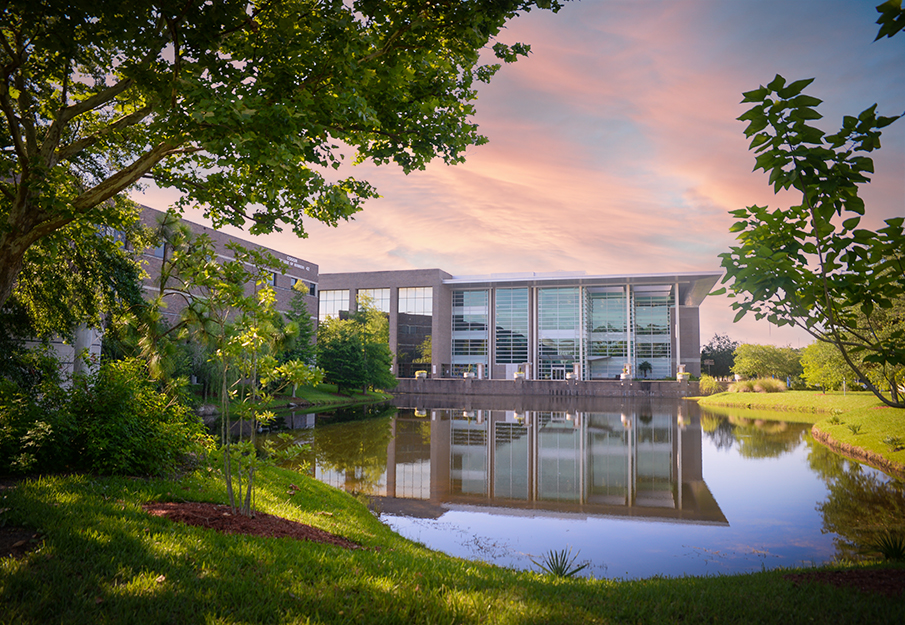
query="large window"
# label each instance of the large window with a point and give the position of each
(470, 317)
(416, 300)
(379, 298)
(608, 345)
(652, 332)
(511, 326)
(558, 329)
(331, 302)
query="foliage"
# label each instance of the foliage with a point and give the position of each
(823, 366)
(302, 331)
(709, 385)
(560, 563)
(340, 353)
(114, 421)
(891, 20)
(81, 275)
(889, 545)
(127, 426)
(233, 104)
(36, 425)
(810, 265)
(766, 360)
(355, 352)
(645, 368)
(758, 385)
(721, 350)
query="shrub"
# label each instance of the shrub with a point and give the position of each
(760, 385)
(35, 432)
(709, 385)
(127, 426)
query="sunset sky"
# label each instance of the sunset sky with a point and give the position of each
(614, 147)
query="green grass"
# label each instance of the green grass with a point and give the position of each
(795, 401)
(320, 396)
(104, 561)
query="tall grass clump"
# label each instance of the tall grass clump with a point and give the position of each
(709, 385)
(758, 385)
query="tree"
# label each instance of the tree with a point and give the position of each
(763, 361)
(301, 328)
(810, 265)
(340, 353)
(355, 352)
(721, 351)
(240, 105)
(823, 366)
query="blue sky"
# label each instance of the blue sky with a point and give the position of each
(614, 146)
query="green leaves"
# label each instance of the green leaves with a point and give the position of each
(810, 265)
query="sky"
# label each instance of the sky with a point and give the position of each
(614, 147)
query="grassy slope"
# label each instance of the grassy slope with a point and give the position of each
(104, 560)
(837, 416)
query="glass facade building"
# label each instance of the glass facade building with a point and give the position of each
(536, 326)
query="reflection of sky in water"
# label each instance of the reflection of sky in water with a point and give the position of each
(769, 502)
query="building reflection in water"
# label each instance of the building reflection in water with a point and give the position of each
(639, 460)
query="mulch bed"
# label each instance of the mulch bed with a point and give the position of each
(220, 518)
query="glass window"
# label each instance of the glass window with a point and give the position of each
(558, 330)
(380, 298)
(511, 332)
(331, 302)
(416, 300)
(470, 331)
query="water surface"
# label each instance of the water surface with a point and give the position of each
(636, 487)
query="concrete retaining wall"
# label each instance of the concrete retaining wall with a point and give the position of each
(554, 388)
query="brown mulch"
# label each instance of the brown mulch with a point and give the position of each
(889, 582)
(218, 517)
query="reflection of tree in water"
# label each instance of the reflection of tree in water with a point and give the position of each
(756, 438)
(823, 461)
(861, 507)
(359, 449)
(718, 430)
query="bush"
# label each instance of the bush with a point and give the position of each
(759, 385)
(33, 433)
(127, 426)
(709, 385)
(36, 427)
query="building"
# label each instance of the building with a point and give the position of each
(297, 270)
(538, 325)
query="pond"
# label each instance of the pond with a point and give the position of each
(634, 488)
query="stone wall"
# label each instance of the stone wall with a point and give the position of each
(551, 388)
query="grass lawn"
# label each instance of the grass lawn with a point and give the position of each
(857, 423)
(319, 397)
(104, 560)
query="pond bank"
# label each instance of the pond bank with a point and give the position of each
(856, 425)
(118, 562)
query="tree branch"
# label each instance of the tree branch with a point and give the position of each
(67, 151)
(122, 179)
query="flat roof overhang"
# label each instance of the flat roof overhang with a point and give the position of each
(693, 286)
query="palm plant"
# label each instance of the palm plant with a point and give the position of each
(560, 563)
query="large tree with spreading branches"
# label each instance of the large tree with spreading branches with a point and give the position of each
(246, 107)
